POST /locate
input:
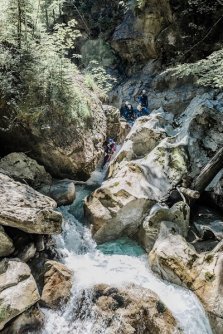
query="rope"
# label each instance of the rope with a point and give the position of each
(207, 34)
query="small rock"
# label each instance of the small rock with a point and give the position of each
(40, 245)
(63, 192)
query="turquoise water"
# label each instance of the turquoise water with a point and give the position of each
(118, 263)
(122, 246)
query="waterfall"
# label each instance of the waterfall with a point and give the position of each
(91, 266)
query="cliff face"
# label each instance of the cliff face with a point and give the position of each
(139, 31)
(65, 146)
(135, 42)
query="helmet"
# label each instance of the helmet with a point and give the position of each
(144, 91)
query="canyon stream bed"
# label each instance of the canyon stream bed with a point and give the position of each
(118, 263)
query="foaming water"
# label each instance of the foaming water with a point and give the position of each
(91, 267)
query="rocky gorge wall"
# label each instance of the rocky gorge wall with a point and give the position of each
(137, 199)
(141, 197)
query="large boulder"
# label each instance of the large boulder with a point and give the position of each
(67, 145)
(18, 290)
(120, 204)
(201, 126)
(144, 136)
(62, 191)
(135, 38)
(131, 310)
(179, 213)
(24, 169)
(26, 209)
(178, 262)
(117, 128)
(57, 284)
(6, 243)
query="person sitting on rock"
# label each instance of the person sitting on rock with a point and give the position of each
(143, 99)
(124, 110)
(142, 111)
(127, 112)
(109, 150)
(130, 114)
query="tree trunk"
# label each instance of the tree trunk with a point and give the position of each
(19, 25)
(209, 172)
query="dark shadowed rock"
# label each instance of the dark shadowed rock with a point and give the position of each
(6, 243)
(27, 322)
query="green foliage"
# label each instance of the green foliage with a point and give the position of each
(37, 79)
(98, 50)
(208, 72)
(97, 75)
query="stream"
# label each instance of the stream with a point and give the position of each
(116, 263)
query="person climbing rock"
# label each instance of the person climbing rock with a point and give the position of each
(124, 110)
(109, 150)
(143, 106)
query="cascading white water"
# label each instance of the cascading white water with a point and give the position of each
(90, 267)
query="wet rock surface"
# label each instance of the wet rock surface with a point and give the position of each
(136, 184)
(132, 310)
(57, 284)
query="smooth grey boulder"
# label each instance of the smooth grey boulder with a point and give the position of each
(24, 169)
(62, 191)
(179, 214)
(6, 244)
(178, 262)
(119, 206)
(18, 290)
(26, 209)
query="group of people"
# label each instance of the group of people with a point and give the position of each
(130, 114)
